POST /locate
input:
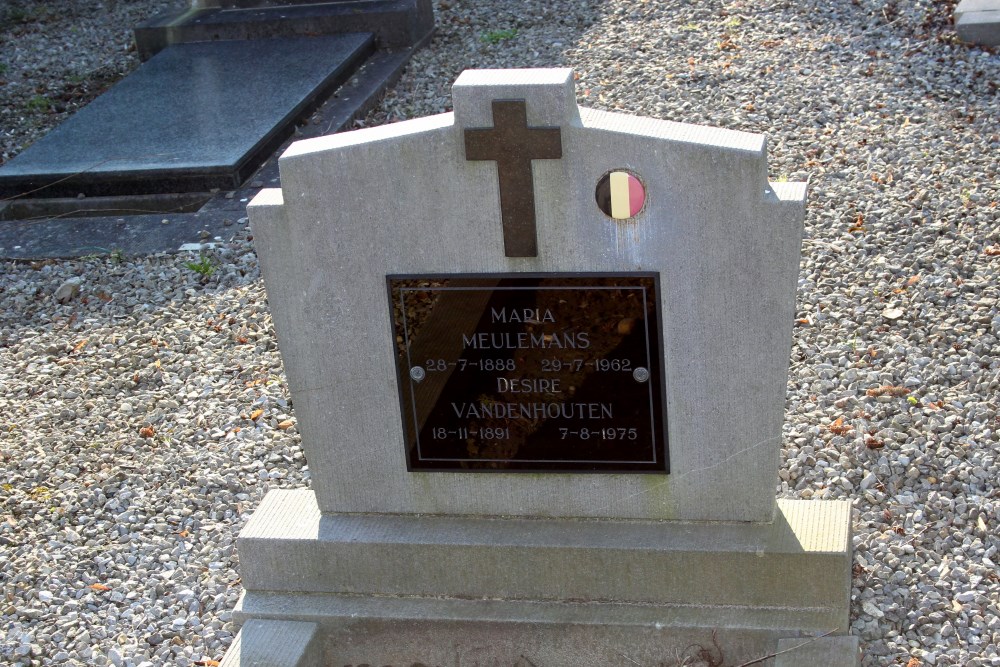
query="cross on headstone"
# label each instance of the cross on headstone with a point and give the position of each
(513, 145)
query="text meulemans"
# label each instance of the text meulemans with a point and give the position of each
(481, 340)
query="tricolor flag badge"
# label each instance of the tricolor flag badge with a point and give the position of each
(620, 195)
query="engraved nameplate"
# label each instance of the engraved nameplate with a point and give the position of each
(520, 372)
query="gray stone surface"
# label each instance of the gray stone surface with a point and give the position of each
(275, 644)
(229, 105)
(254, 4)
(724, 240)
(44, 228)
(27, 208)
(806, 652)
(396, 24)
(397, 631)
(800, 561)
(978, 21)
(104, 235)
(41, 228)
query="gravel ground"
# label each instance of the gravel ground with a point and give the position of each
(144, 417)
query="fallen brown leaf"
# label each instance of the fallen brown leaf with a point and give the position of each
(838, 427)
(859, 224)
(255, 415)
(147, 431)
(888, 390)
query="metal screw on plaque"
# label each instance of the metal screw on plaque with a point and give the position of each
(640, 374)
(417, 373)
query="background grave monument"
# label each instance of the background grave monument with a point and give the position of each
(221, 87)
(538, 355)
(978, 21)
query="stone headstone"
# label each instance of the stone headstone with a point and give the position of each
(538, 356)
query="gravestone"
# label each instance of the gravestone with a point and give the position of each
(538, 355)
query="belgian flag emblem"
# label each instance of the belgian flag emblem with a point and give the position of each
(620, 195)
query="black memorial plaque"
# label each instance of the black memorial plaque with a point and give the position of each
(530, 372)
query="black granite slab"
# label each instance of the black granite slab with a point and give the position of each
(129, 235)
(50, 228)
(195, 117)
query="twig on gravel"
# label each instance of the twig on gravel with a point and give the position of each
(787, 650)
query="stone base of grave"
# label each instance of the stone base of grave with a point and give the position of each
(802, 652)
(275, 644)
(405, 590)
(978, 21)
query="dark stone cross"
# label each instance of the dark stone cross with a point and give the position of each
(513, 145)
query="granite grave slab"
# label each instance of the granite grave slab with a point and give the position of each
(395, 24)
(195, 117)
(39, 227)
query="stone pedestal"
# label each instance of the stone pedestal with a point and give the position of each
(402, 590)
